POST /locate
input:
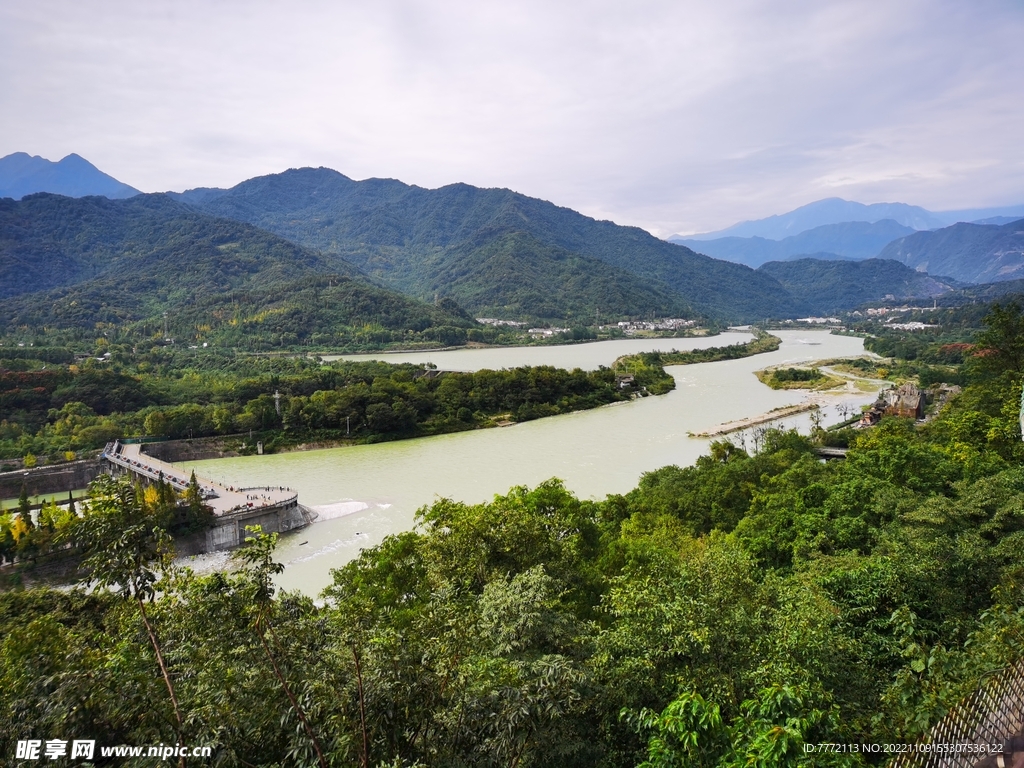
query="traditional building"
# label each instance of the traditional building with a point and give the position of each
(906, 401)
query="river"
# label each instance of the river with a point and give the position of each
(369, 491)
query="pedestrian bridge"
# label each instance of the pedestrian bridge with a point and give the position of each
(274, 508)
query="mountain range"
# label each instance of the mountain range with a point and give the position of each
(972, 253)
(845, 285)
(311, 254)
(493, 250)
(982, 250)
(835, 210)
(845, 240)
(23, 174)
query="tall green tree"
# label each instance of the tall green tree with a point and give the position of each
(125, 548)
(1001, 344)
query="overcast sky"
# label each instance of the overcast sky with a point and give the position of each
(673, 115)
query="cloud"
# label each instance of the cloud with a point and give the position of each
(675, 116)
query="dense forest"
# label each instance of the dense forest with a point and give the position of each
(719, 615)
(838, 286)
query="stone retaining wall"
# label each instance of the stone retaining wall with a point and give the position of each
(189, 450)
(228, 531)
(54, 478)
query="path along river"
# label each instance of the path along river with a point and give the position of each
(366, 492)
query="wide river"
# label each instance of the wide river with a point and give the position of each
(366, 492)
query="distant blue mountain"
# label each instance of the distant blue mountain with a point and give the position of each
(848, 240)
(835, 210)
(23, 174)
(1003, 215)
(832, 210)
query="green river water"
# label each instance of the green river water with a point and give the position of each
(363, 493)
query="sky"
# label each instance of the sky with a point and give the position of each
(673, 115)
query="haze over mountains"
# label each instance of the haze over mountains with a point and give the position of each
(389, 252)
(835, 210)
(967, 252)
(972, 253)
(846, 240)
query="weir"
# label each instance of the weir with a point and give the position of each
(275, 509)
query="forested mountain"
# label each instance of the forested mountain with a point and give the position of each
(973, 253)
(427, 242)
(22, 174)
(82, 263)
(850, 239)
(833, 286)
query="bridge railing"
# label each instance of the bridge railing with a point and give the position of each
(992, 715)
(112, 453)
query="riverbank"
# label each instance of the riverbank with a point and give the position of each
(419, 402)
(595, 452)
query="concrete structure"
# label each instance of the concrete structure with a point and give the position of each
(51, 479)
(275, 508)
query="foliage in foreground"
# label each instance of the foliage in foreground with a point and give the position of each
(724, 614)
(718, 615)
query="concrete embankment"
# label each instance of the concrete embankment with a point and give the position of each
(199, 449)
(275, 509)
(764, 418)
(54, 478)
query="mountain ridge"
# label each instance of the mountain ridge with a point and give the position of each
(850, 240)
(406, 236)
(836, 210)
(82, 264)
(972, 253)
(835, 286)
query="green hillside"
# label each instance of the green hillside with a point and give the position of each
(832, 286)
(410, 237)
(96, 266)
(972, 253)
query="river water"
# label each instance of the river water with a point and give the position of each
(369, 491)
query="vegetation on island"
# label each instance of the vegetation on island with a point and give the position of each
(55, 411)
(797, 378)
(719, 615)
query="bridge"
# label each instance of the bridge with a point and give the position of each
(274, 508)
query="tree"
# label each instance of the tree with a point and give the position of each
(200, 515)
(122, 539)
(257, 556)
(24, 508)
(1001, 344)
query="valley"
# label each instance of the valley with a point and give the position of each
(514, 501)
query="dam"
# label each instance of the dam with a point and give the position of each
(275, 509)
